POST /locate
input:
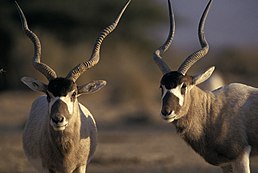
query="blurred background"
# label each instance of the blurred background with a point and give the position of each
(127, 109)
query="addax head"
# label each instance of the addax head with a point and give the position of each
(62, 92)
(176, 85)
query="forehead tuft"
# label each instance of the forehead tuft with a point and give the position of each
(61, 86)
(173, 79)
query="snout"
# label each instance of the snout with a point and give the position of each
(169, 107)
(58, 115)
(58, 122)
(166, 111)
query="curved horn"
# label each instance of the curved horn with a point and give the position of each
(95, 56)
(41, 67)
(157, 54)
(196, 56)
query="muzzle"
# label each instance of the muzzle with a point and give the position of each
(170, 105)
(58, 119)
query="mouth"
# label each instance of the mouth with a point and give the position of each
(58, 126)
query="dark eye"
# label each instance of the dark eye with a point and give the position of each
(183, 88)
(73, 96)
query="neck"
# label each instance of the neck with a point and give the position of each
(193, 124)
(65, 141)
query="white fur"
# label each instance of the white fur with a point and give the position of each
(66, 99)
(242, 163)
(68, 102)
(176, 92)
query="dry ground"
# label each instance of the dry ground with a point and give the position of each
(129, 142)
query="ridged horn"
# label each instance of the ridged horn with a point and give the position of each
(41, 67)
(196, 56)
(75, 73)
(157, 55)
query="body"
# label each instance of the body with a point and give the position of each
(59, 151)
(220, 125)
(60, 133)
(223, 124)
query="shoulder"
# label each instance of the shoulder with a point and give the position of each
(40, 101)
(86, 113)
(236, 93)
(39, 106)
(236, 88)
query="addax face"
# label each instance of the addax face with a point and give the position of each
(61, 96)
(174, 87)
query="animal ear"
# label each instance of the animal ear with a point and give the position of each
(34, 84)
(91, 87)
(203, 76)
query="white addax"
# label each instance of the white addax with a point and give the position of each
(60, 133)
(221, 125)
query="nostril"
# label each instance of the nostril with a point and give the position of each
(166, 112)
(58, 119)
(61, 119)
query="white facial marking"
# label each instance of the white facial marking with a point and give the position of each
(66, 99)
(164, 92)
(176, 92)
(69, 103)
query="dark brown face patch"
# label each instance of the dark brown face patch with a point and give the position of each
(173, 79)
(61, 86)
(169, 103)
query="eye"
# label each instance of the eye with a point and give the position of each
(73, 97)
(74, 94)
(183, 89)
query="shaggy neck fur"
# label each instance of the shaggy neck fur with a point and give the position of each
(65, 140)
(192, 124)
(196, 126)
(220, 124)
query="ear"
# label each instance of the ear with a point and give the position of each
(34, 84)
(91, 87)
(203, 76)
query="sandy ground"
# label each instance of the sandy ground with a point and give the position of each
(126, 143)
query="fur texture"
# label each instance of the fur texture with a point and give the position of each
(59, 151)
(221, 125)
